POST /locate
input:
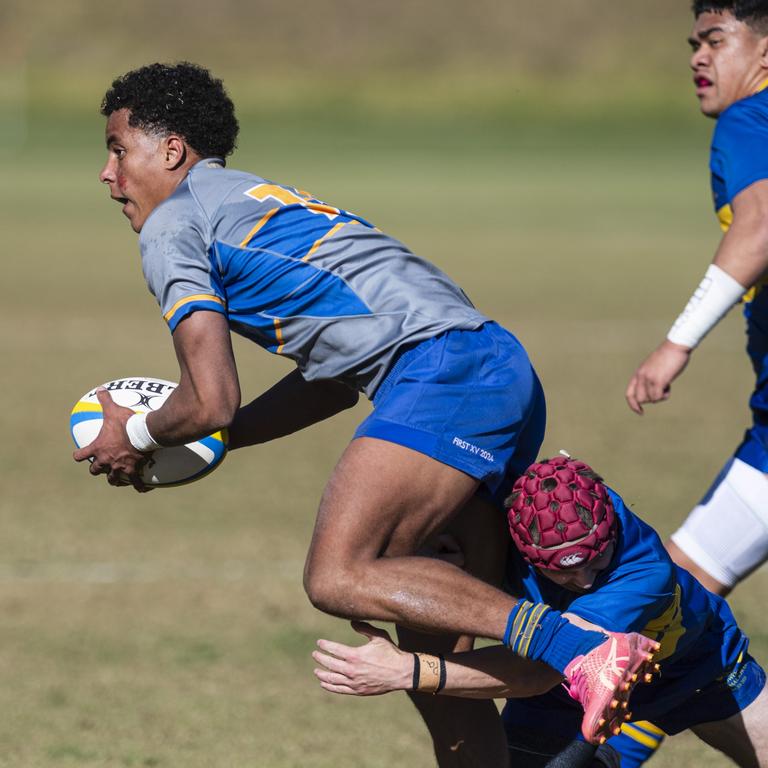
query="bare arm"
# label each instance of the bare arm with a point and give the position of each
(380, 667)
(208, 394)
(292, 404)
(208, 398)
(205, 400)
(743, 255)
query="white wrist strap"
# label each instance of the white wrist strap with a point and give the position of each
(716, 294)
(138, 434)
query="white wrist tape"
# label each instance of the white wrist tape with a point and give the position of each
(716, 294)
(138, 434)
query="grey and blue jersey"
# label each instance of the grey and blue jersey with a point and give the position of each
(301, 278)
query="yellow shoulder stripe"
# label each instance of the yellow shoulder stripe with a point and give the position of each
(322, 239)
(262, 221)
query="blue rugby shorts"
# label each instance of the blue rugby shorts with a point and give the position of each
(673, 711)
(469, 399)
(719, 700)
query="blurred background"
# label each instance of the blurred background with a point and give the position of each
(551, 159)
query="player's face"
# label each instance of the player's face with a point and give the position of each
(580, 579)
(136, 170)
(729, 61)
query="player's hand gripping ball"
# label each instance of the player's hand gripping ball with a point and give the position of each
(165, 467)
(560, 514)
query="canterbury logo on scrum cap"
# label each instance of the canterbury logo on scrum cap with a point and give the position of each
(573, 559)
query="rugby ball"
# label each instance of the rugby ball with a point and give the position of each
(166, 467)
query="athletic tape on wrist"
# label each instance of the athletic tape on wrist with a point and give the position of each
(428, 677)
(710, 302)
(443, 673)
(428, 661)
(138, 433)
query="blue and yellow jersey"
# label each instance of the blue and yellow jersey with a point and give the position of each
(301, 278)
(739, 159)
(642, 590)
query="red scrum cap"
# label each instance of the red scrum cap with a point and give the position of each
(560, 515)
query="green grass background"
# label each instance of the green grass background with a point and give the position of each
(566, 193)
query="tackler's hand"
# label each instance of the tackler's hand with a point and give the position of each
(377, 667)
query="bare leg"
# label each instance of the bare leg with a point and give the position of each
(466, 733)
(680, 558)
(742, 737)
(381, 504)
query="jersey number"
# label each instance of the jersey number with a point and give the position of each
(263, 192)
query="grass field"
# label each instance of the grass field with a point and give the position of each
(171, 629)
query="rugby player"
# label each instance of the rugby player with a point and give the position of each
(457, 405)
(726, 535)
(579, 549)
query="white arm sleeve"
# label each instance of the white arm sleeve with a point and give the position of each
(710, 302)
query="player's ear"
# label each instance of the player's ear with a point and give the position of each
(175, 150)
(764, 54)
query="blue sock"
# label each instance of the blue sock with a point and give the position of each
(536, 631)
(637, 743)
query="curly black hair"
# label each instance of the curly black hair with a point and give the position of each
(180, 98)
(752, 12)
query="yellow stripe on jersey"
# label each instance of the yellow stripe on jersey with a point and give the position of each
(278, 336)
(752, 292)
(188, 299)
(322, 239)
(329, 210)
(725, 217)
(264, 219)
(667, 628)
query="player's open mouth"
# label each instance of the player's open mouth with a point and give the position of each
(702, 83)
(123, 201)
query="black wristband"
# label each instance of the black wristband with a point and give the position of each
(416, 673)
(443, 673)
